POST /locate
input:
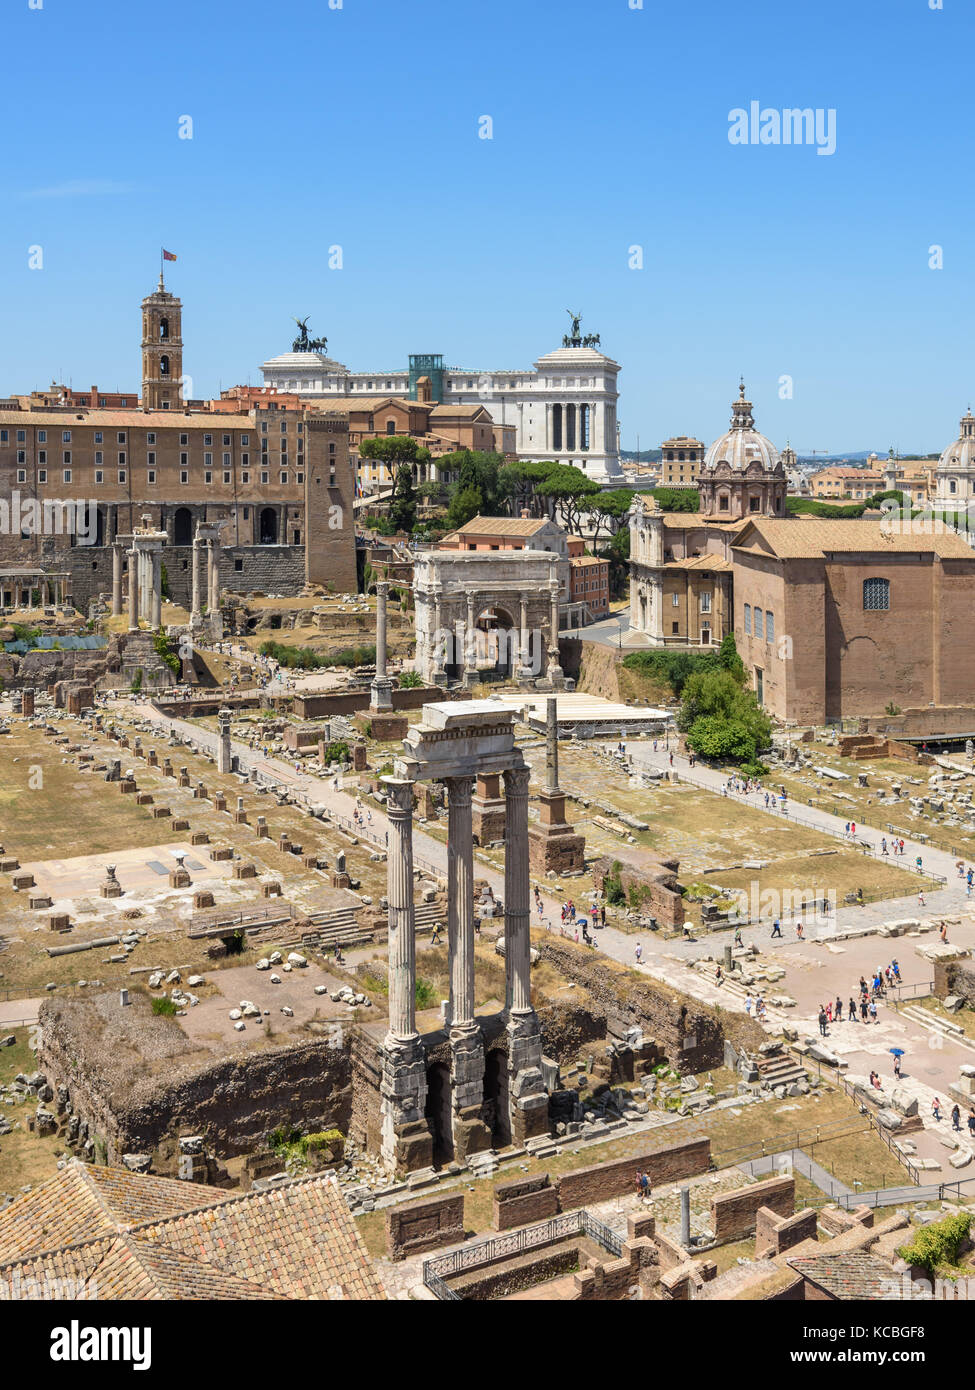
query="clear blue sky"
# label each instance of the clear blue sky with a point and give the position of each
(359, 127)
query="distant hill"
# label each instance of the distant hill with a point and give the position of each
(644, 455)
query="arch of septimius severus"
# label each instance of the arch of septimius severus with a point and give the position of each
(454, 743)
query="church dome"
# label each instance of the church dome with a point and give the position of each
(961, 454)
(743, 445)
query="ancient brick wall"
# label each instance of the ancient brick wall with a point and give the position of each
(955, 977)
(610, 1281)
(605, 1180)
(733, 1214)
(412, 1229)
(654, 884)
(137, 1085)
(322, 706)
(565, 1027)
(691, 1034)
(522, 1202)
(775, 1234)
(365, 1119)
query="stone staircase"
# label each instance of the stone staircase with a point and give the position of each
(779, 1069)
(429, 915)
(937, 1027)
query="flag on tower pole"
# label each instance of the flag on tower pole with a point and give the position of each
(168, 256)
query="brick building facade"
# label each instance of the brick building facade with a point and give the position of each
(276, 479)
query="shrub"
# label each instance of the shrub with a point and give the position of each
(167, 649)
(426, 995)
(612, 886)
(136, 682)
(332, 1139)
(936, 1247)
(164, 1007)
(337, 753)
(410, 680)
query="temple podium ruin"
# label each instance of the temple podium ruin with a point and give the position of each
(487, 1066)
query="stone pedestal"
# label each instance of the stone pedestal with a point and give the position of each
(111, 888)
(488, 809)
(528, 1098)
(385, 728)
(27, 704)
(553, 844)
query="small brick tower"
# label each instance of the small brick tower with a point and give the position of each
(162, 350)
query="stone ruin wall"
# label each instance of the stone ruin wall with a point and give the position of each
(109, 667)
(234, 1102)
(656, 881)
(660, 1012)
(955, 977)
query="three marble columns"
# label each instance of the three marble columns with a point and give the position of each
(404, 1085)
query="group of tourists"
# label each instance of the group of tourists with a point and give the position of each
(862, 1007)
(955, 1116)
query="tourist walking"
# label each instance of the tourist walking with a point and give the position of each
(971, 1123)
(873, 1011)
(822, 1020)
(799, 930)
(936, 1109)
(897, 1068)
(776, 928)
(638, 952)
(738, 941)
(853, 1011)
(956, 1117)
(863, 1008)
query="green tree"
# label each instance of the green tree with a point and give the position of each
(402, 508)
(609, 511)
(465, 504)
(721, 718)
(566, 488)
(395, 450)
(480, 471)
(519, 481)
(729, 659)
(673, 499)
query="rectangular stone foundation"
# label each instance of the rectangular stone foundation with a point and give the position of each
(384, 727)
(551, 852)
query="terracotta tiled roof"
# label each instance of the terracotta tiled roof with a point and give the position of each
(855, 1275)
(74, 416)
(700, 562)
(693, 521)
(501, 526)
(812, 539)
(447, 408)
(133, 1236)
(354, 404)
